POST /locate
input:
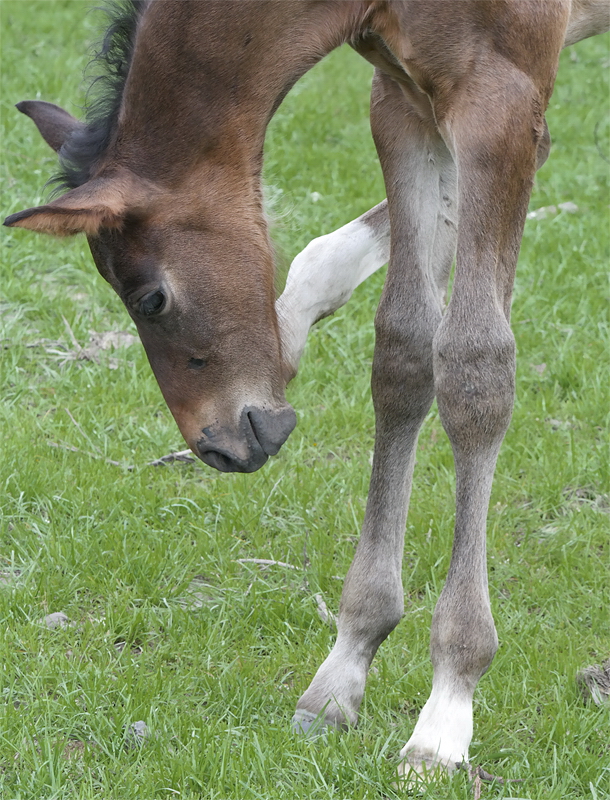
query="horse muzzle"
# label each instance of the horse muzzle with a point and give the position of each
(260, 434)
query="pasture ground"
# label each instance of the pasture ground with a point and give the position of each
(167, 624)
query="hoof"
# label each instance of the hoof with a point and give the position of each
(306, 723)
(418, 771)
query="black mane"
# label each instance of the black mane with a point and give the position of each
(82, 150)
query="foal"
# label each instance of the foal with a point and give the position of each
(165, 182)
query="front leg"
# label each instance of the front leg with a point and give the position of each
(496, 128)
(323, 276)
(420, 178)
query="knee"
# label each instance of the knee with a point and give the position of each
(474, 377)
(403, 372)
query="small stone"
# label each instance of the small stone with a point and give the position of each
(137, 734)
(549, 211)
(9, 577)
(57, 620)
(556, 424)
(542, 213)
(539, 368)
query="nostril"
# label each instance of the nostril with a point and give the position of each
(197, 363)
(271, 428)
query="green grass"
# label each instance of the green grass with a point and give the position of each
(215, 667)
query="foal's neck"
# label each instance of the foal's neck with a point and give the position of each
(206, 78)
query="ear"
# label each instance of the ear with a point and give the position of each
(55, 125)
(102, 202)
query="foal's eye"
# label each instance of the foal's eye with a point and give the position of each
(152, 303)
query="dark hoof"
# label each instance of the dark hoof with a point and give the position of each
(306, 723)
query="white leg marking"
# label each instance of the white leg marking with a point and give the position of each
(323, 276)
(442, 733)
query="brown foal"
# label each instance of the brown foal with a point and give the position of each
(165, 181)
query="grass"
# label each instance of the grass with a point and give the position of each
(212, 652)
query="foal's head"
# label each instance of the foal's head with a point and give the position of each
(192, 263)
(164, 179)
